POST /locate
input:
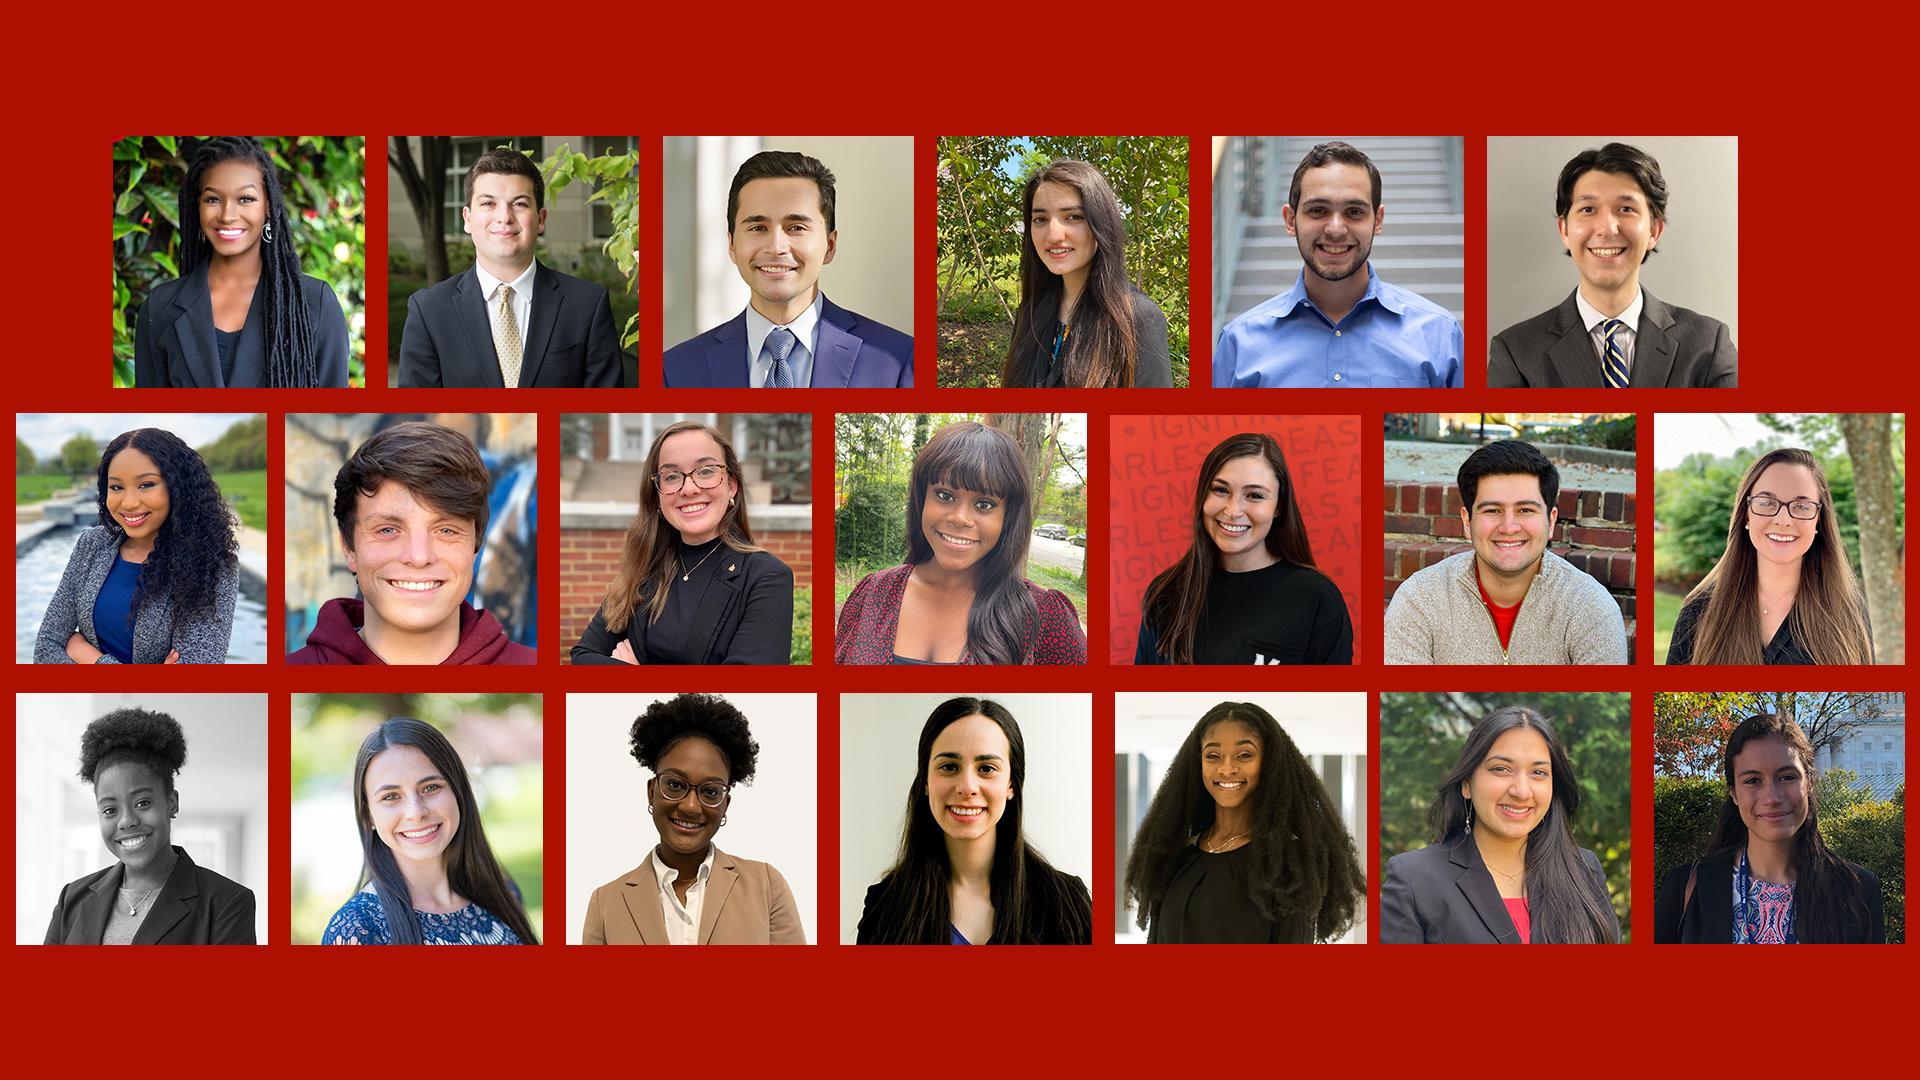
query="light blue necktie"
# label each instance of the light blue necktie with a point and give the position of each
(780, 345)
(1615, 362)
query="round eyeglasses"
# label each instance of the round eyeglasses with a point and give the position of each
(669, 481)
(1768, 506)
(673, 789)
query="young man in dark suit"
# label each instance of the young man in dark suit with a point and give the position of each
(510, 321)
(1612, 206)
(780, 232)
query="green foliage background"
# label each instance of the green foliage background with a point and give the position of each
(323, 179)
(1420, 739)
(980, 235)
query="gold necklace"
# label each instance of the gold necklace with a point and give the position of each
(1220, 846)
(133, 906)
(703, 560)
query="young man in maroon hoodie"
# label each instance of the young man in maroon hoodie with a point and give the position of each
(411, 504)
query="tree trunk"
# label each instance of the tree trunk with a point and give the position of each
(1870, 446)
(426, 187)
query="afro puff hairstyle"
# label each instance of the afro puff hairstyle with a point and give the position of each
(152, 739)
(705, 716)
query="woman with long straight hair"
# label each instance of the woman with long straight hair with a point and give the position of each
(693, 587)
(1768, 877)
(1081, 322)
(241, 313)
(1241, 842)
(966, 874)
(1503, 867)
(429, 876)
(960, 598)
(1783, 591)
(1246, 590)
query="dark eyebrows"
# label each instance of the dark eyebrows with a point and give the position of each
(148, 790)
(242, 189)
(1494, 504)
(422, 780)
(137, 476)
(958, 757)
(1323, 201)
(1512, 761)
(1057, 209)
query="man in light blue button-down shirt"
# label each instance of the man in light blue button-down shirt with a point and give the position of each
(1339, 325)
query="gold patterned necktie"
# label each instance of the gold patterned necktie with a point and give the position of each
(1615, 362)
(507, 339)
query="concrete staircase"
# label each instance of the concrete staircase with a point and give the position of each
(1422, 248)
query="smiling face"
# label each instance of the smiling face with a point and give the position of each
(969, 779)
(696, 512)
(413, 807)
(136, 813)
(689, 767)
(1230, 762)
(779, 242)
(414, 563)
(233, 207)
(136, 495)
(1336, 220)
(1783, 538)
(961, 526)
(1609, 230)
(1058, 228)
(1512, 788)
(503, 221)
(1509, 523)
(1238, 512)
(1770, 790)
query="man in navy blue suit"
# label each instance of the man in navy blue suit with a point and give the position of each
(780, 232)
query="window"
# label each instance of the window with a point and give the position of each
(461, 155)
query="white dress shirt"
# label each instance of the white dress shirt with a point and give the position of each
(522, 301)
(683, 920)
(1592, 317)
(806, 333)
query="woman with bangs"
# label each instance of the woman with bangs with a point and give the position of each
(1783, 591)
(959, 598)
(1503, 867)
(1081, 321)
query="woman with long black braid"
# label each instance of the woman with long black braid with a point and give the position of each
(241, 313)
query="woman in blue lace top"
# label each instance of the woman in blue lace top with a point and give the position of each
(430, 877)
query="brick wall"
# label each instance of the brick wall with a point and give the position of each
(1595, 533)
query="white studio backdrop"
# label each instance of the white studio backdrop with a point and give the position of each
(879, 738)
(224, 819)
(772, 820)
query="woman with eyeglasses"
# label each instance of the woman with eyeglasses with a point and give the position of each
(693, 587)
(687, 891)
(1783, 591)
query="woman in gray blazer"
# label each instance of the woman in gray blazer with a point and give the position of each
(154, 582)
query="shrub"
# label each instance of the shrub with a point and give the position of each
(1684, 813)
(1874, 835)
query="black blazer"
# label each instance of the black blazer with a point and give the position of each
(1070, 927)
(1152, 364)
(745, 617)
(1707, 918)
(1443, 893)
(570, 339)
(1672, 347)
(195, 907)
(174, 344)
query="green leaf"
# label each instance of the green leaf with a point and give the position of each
(168, 143)
(123, 226)
(166, 261)
(122, 371)
(159, 203)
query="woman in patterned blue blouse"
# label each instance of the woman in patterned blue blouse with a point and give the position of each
(429, 877)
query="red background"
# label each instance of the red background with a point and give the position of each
(1812, 94)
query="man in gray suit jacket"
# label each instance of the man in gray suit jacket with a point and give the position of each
(1612, 208)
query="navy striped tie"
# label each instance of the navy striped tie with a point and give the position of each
(1614, 364)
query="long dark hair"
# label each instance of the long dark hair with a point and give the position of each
(1827, 901)
(1100, 349)
(1302, 863)
(1828, 616)
(195, 547)
(1561, 905)
(650, 556)
(1004, 619)
(1032, 901)
(289, 327)
(472, 870)
(1176, 601)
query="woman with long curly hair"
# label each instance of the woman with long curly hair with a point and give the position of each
(693, 587)
(1783, 591)
(241, 313)
(1503, 867)
(154, 582)
(1241, 843)
(1081, 322)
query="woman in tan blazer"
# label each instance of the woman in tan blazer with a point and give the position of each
(687, 891)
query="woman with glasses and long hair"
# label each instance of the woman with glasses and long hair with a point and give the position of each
(429, 876)
(966, 874)
(693, 587)
(1246, 590)
(960, 597)
(1081, 321)
(241, 313)
(1768, 878)
(1783, 591)
(1241, 843)
(687, 891)
(1503, 867)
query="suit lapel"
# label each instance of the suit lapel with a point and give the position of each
(833, 365)
(250, 352)
(470, 311)
(1574, 361)
(545, 313)
(1713, 893)
(153, 630)
(195, 331)
(1653, 344)
(642, 895)
(713, 604)
(727, 355)
(719, 886)
(174, 903)
(1477, 884)
(90, 922)
(97, 570)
